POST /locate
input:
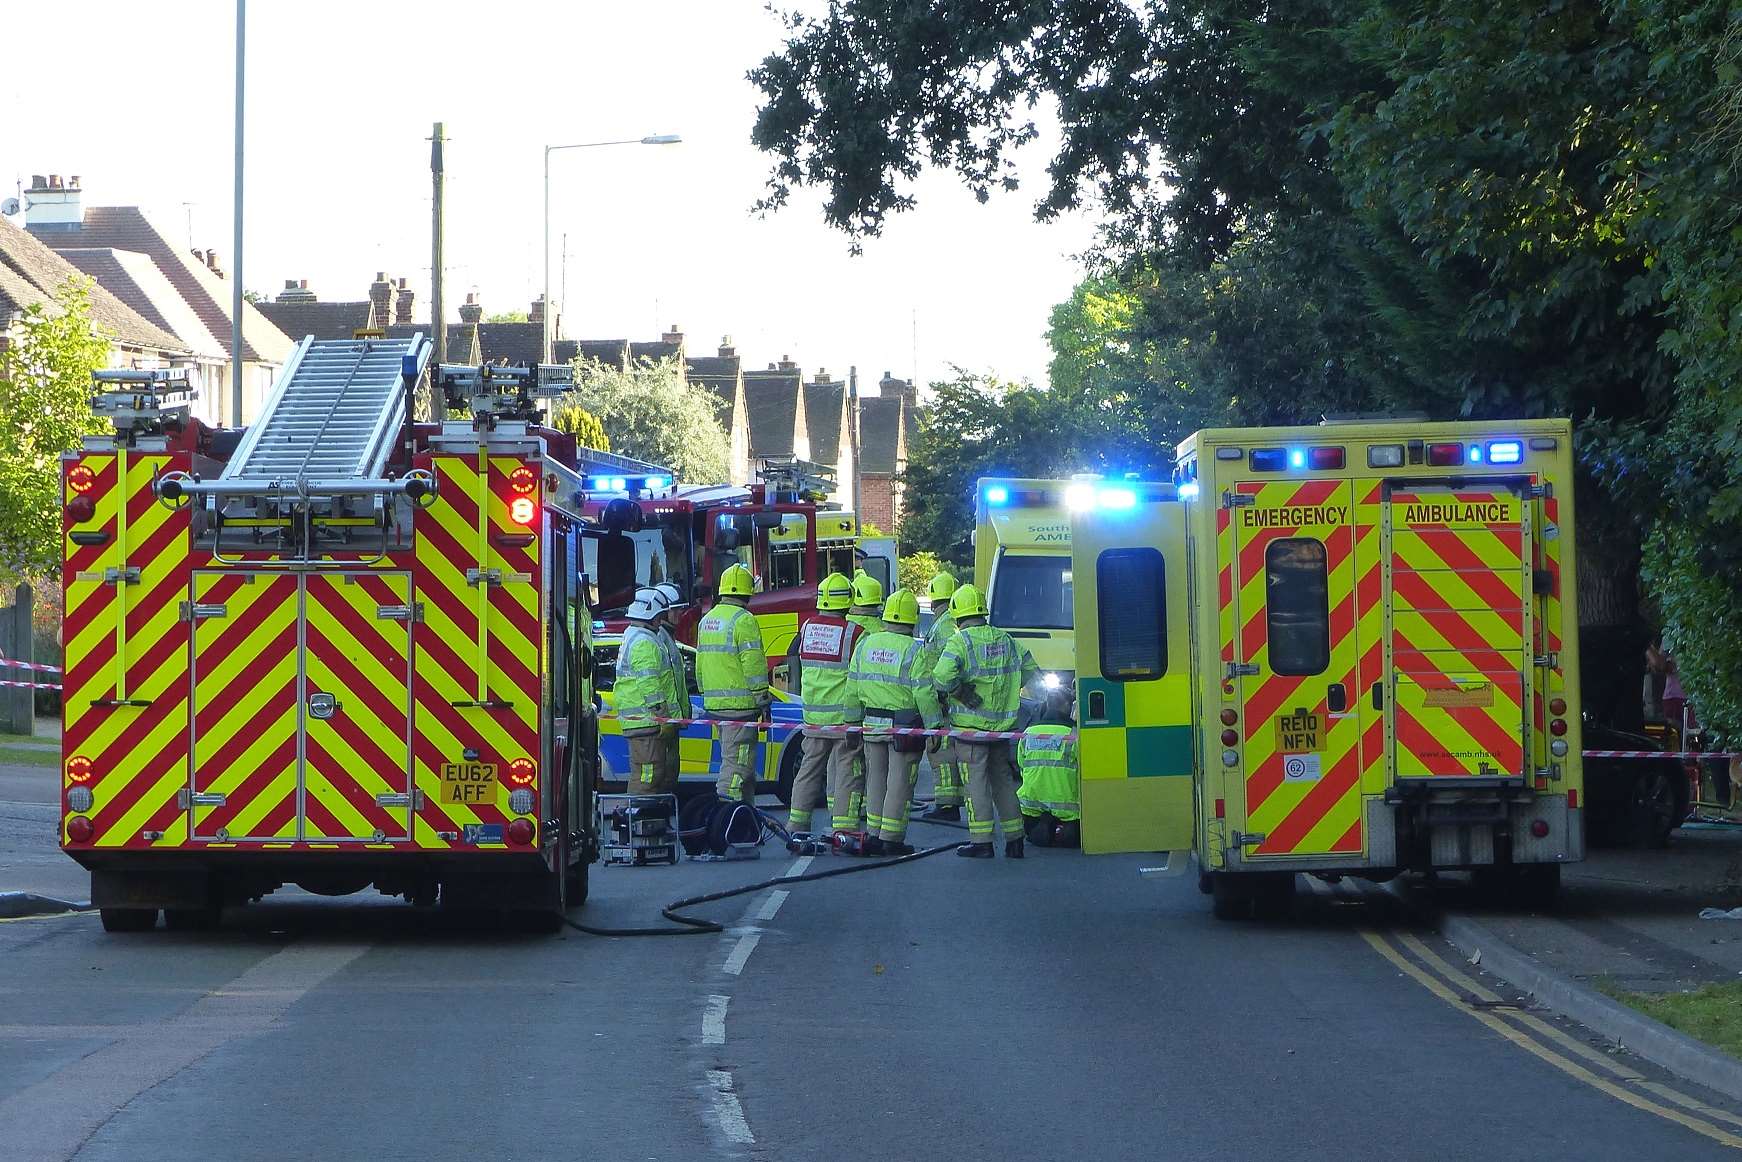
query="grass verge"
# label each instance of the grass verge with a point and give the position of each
(17, 756)
(1711, 1013)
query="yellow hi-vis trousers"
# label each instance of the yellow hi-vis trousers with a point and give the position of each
(737, 776)
(991, 790)
(946, 765)
(889, 778)
(648, 772)
(826, 761)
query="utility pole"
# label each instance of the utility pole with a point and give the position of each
(853, 436)
(236, 275)
(438, 319)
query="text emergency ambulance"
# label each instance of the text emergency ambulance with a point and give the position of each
(1383, 655)
(345, 650)
(1022, 563)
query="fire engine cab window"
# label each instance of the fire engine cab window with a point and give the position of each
(1131, 591)
(1297, 607)
(654, 556)
(1032, 592)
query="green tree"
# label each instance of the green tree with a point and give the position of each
(652, 413)
(45, 378)
(582, 424)
(508, 317)
(917, 570)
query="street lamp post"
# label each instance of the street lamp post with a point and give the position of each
(650, 139)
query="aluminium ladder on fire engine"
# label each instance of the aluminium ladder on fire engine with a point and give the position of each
(333, 415)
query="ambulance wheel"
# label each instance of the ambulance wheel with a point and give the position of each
(128, 919)
(1230, 897)
(1206, 883)
(1273, 895)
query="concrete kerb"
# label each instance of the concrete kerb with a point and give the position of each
(16, 904)
(1633, 1030)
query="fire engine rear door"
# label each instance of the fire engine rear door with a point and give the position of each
(357, 706)
(246, 687)
(1458, 629)
(1292, 583)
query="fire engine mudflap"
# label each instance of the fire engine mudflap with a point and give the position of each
(352, 651)
(1384, 670)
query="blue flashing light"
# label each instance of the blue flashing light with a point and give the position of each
(1267, 459)
(1505, 452)
(658, 481)
(1296, 458)
(1188, 490)
(997, 494)
(618, 484)
(1475, 453)
(1117, 498)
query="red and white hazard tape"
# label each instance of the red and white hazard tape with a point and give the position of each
(32, 685)
(905, 731)
(15, 664)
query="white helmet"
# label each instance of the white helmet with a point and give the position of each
(648, 604)
(669, 592)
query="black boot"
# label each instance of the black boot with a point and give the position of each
(943, 815)
(872, 846)
(891, 847)
(974, 850)
(1013, 849)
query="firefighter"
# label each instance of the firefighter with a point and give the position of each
(733, 674)
(889, 686)
(646, 690)
(982, 672)
(1046, 759)
(671, 737)
(867, 611)
(818, 665)
(946, 763)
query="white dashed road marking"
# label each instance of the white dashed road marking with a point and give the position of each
(772, 905)
(727, 1110)
(714, 1020)
(741, 952)
(799, 866)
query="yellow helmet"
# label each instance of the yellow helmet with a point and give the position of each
(835, 593)
(967, 602)
(736, 581)
(867, 590)
(942, 588)
(902, 608)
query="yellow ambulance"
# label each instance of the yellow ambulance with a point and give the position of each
(1022, 563)
(1383, 654)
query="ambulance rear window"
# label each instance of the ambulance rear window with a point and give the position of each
(1131, 593)
(1297, 608)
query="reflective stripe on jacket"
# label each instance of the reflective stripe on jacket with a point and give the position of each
(645, 684)
(823, 650)
(988, 661)
(730, 665)
(675, 653)
(1046, 757)
(888, 677)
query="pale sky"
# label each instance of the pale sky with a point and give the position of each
(136, 99)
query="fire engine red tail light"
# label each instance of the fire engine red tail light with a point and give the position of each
(521, 772)
(1445, 455)
(523, 480)
(520, 831)
(79, 768)
(79, 829)
(81, 478)
(522, 510)
(1539, 828)
(80, 509)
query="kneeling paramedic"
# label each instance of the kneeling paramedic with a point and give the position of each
(888, 686)
(1046, 757)
(821, 653)
(647, 690)
(982, 672)
(946, 764)
(732, 671)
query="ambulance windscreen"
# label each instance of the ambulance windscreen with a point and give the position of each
(1032, 592)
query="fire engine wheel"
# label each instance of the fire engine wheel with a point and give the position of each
(128, 919)
(577, 882)
(790, 755)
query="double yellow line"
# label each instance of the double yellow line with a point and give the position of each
(1534, 1035)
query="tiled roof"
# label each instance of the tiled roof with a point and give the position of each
(322, 320)
(127, 228)
(719, 375)
(30, 273)
(462, 342)
(825, 407)
(654, 352)
(775, 404)
(511, 342)
(610, 352)
(882, 440)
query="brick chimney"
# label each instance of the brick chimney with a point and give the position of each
(822, 375)
(786, 363)
(295, 291)
(382, 292)
(212, 263)
(673, 335)
(727, 351)
(471, 311)
(402, 305)
(890, 387)
(53, 202)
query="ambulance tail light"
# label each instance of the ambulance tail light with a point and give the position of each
(1557, 706)
(1221, 808)
(1230, 716)
(1385, 456)
(1230, 737)
(1445, 455)
(1573, 799)
(1539, 828)
(1557, 727)
(1323, 458)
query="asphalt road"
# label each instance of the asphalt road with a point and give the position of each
(1063, 1006)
